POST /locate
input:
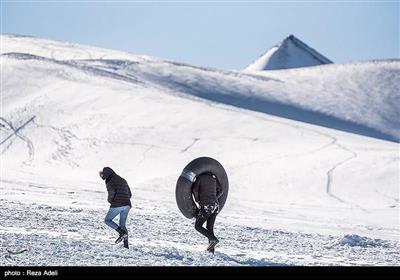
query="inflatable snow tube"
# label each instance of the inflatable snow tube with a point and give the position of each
(183, 191)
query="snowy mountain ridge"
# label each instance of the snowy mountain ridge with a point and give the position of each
(360, 97)
(290, 53)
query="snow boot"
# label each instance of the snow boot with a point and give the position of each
(122, 235)
(126, 245)
(212, 244)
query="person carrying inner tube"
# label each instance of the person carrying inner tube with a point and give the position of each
(119, 195)
(206, 192)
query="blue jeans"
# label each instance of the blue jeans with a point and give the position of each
(123, 215)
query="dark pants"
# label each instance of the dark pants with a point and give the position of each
(206, 213)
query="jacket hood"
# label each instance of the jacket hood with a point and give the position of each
(108, 173)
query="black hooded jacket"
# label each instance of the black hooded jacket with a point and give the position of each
(206, 189)
(119, 193)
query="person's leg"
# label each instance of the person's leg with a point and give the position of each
(200, 220)
(122, 220)
(112, 213)
(210, 225)
(213, 240)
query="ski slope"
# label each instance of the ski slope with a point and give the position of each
(311, 154)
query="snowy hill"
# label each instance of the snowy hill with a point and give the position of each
(300, 193)
(290, 53)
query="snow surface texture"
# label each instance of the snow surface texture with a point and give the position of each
(290, 53)
(300, 194)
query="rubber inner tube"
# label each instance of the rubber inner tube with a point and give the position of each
(183, 191)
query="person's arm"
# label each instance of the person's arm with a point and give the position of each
(111, 192)
(195, 189)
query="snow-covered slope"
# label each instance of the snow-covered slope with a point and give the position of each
(290, 53)
(357, 97)
(300, 193)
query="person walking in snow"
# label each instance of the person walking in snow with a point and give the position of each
(206, 192)
(119, 195)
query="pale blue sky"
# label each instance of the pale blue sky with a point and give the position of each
(226, 35)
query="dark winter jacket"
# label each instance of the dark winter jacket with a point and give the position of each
(206, 190)
(119, 193)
